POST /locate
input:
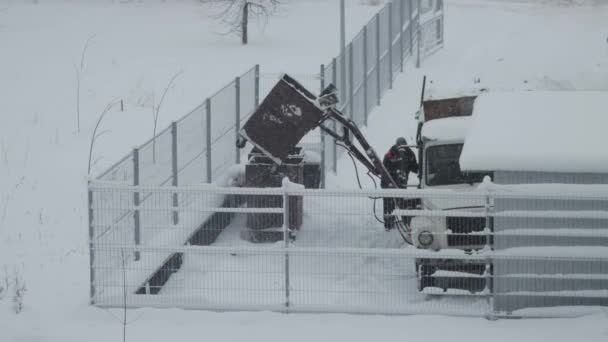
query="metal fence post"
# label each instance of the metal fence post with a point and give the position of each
(342, 87)
(378, 66)
(418, 36)
(410, 27)
(488, 246)
(257, 85)
(322, 132)
(401, 23)
(390, 45)
(335, 125)
(365, 70)
(136, 218)
(174, 169)
(91, 248)
(442, 23)
(351, 85)
(208, 139)
(237, 119)
(286, 239)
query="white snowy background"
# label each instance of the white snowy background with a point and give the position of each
(136, 47)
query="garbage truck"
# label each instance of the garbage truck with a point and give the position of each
(290, 111)
(442, 126)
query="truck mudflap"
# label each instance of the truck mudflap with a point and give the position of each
(437, 276)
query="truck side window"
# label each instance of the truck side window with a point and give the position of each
(443, 167)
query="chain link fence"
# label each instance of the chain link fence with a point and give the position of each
(504, 252)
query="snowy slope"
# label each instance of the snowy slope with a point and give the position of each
(136, 50)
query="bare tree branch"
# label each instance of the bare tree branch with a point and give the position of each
(95, 134)
(156, 112)
(84, 50)
(235, 14)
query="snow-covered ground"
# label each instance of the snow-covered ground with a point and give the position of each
(135, 49)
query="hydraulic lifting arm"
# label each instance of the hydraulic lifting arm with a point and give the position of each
(290, 111)
(369, 159)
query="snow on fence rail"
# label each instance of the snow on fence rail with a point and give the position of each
(232, 249)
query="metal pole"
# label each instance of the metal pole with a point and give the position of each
(489, 246)
(351, 85)
(402, 22)
(365, 69)
(335, 124)
(91, 248)
(442, 22)
(342, 87)
(323, 156)
(174, 169)
(286, 240)
(390, 45)
(488, 222)
(257, 85)
(418, 35)
(410, 27)
(342, 26)
(136, 218)
(237, 119)
(378, 66)
(208, 139)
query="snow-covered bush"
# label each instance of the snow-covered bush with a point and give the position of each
(19, 292)
(13, 286)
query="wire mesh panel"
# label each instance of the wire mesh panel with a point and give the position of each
(395, 23)
(329, 150)
(358, 77)
(121, 172)
(408, 27)
(247, 94)
(191, 147)
(385, 67)
(431, 26)
(112, 224)
(155, 159)
(431, 35)
(223, 133)
(372, 62)
(341, 84)
(415, 4)
(202, 278)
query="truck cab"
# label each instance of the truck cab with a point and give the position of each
(443, 124)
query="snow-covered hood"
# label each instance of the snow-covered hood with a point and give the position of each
(454, 202)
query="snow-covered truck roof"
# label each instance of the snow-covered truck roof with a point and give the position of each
(447, 128)
(538, 131)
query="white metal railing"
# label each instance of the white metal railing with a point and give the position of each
(231, 248)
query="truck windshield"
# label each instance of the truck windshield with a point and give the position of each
(442, 167)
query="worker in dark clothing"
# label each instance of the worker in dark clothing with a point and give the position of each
(399, 161)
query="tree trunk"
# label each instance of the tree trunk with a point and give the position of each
(244, 22)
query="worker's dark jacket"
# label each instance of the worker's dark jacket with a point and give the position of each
(399, 162)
